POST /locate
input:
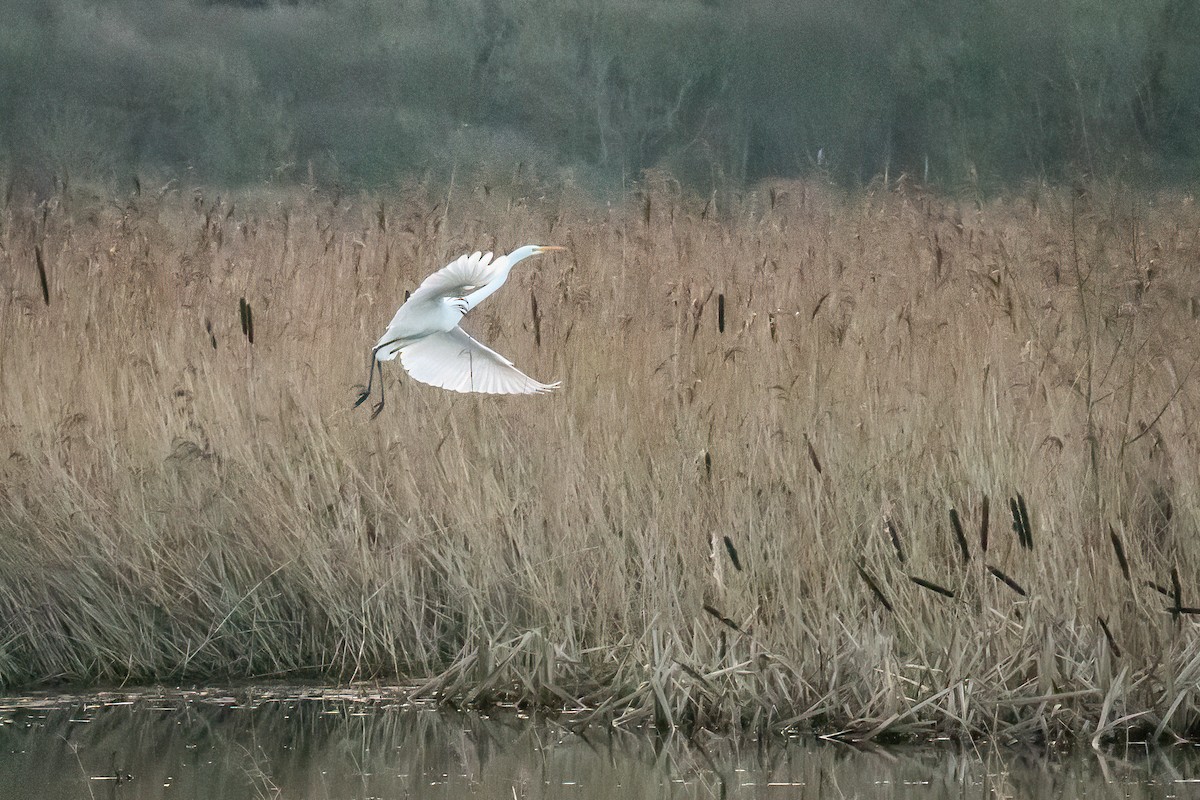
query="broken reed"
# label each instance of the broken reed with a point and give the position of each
(172, 510)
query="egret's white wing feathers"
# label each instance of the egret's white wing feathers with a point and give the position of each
(453, 360)
(427, 308)
(459, 277)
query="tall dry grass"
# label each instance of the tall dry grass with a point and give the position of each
(179, 503)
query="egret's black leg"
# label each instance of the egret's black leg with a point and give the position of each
(379, 407)
(362, 398)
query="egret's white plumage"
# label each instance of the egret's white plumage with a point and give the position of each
(424, 333)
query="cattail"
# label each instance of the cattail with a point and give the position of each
(1112, 643)
(707, 464)
(812, 454)
(1007, 581)
(960, 536)
(41, 268)
(1158, 587)
(817, 307)
(983, 525)
(894, 533)
(1119, 549)
(1020, 523)
(537, 320)
(1026, 527)
(931, 586)
(874, 587)
(724, 620)
(721, 312)
(1176, 592)
(771, 324)
(247, 315)
(733, 554)
(1016, 520)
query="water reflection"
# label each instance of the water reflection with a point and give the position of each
(287, 744)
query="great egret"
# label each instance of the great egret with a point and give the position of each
(431, 346)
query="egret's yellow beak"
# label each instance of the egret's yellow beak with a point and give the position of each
(550, 248)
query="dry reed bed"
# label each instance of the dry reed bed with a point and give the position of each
(178, 503)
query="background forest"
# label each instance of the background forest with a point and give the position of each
(360, 93)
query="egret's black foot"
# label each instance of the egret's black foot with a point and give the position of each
(378, 408)
(362, 398)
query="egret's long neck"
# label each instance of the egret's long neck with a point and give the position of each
(479, 295)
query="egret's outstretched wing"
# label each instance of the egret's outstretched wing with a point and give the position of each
(453, 360)
(459, 278)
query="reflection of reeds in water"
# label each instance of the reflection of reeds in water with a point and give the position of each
(173, 510)
(272, 742)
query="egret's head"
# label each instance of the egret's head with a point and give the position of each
(531, 250)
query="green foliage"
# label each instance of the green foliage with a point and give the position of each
(975, 95)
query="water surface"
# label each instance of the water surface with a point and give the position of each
(290, 743)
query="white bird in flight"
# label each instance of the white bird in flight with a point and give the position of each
(431, 346)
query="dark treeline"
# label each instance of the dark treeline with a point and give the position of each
(365, 92)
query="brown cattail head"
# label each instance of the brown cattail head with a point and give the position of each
(537, 319)
(874, 587)
(1119, 549)
(1020, 521)
(1007, 581)
(983, 525)
(894, 532)
(812, 454)
(41, 268)
(733, 554)
(1112, 643)
(931, 586)
(961, 537)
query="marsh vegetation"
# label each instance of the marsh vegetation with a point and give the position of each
(874, 465)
